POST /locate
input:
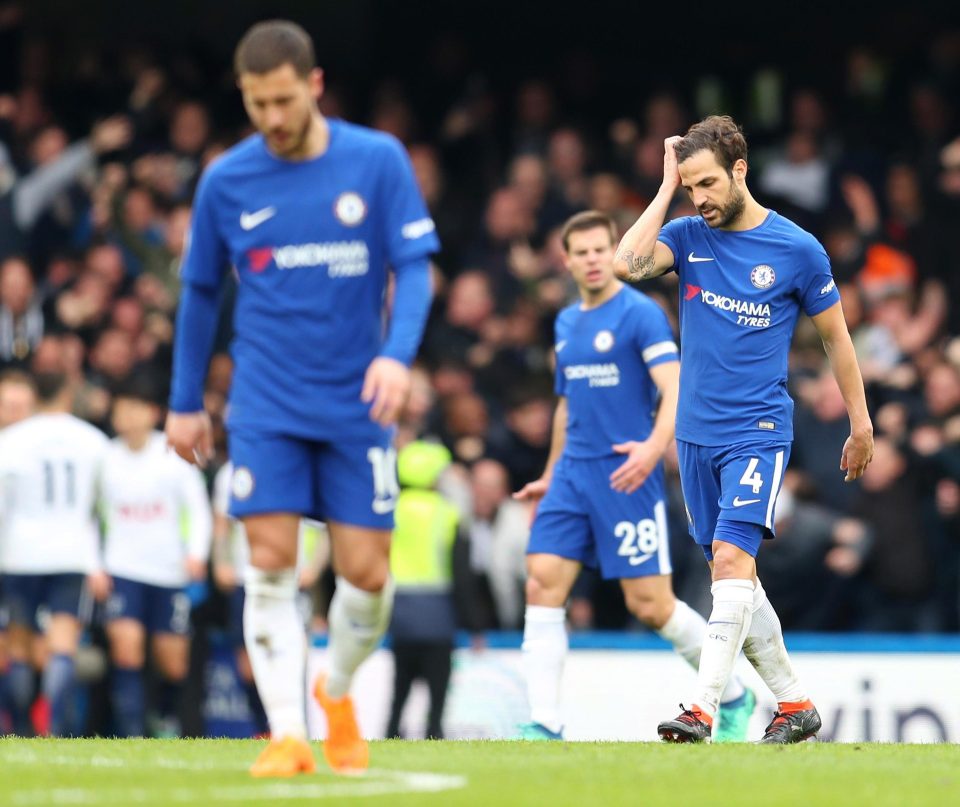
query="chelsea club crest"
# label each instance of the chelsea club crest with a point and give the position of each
(762, 276)
(603, 341)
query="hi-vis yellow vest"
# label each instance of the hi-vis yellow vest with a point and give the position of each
(421, 555)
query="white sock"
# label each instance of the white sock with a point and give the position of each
(358, 619)
(685, 630)
(277, 647)
(726, 629)
(544, 651)
(765, 650)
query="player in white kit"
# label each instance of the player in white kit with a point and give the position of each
(18, 400)
(157, 528)
(49, 466)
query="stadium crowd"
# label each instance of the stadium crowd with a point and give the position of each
(99, 160)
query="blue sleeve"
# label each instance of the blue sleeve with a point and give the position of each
(409, 232)
(559, 377)
(192, 344)
(412, 294)
(654, 337)
(672, 234)
(206, 256)
(816, 287)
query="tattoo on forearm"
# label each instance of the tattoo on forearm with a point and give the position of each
(638, 266)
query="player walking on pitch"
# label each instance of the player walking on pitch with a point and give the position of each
(310, 212)
(745, 274)
(603, 490)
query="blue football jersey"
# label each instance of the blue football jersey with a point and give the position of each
(310, 243)
(740, 295)
(603, 360)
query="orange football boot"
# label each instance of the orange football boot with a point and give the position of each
(344, 749)
(285, 757)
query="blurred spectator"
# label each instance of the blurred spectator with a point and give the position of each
(899, 572)
(21, 315)
(493, 548)
(816, 549)
(24, 199)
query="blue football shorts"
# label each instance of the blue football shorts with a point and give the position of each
(160, 609)
(27, 596)
(735, 483)
(347, 481)
(581, 518)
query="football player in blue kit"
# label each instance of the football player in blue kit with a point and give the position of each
(746, 273)
(601, 498)
(313, 214)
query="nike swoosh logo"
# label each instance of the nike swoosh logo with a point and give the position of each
(738, 502)
(691, 258)
(560, 345)
(250, 220)
(636, 560)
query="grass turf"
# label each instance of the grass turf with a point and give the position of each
(213, 773)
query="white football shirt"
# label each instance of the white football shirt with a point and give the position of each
(49, 470)
(156, 513)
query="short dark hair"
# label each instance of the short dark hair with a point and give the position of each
(587, 220)
(140, 385)
(18, 377)
(50, 385)
(272, 44)
(719, 134)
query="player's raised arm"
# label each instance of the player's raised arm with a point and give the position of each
(858, 448)
(640, 255)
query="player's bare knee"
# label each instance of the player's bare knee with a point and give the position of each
(271, 558)
(651, 611)
(126, 657)
(544, 592)
(371, 578)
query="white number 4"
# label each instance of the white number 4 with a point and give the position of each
(751, 476)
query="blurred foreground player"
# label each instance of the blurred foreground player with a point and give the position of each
(601, 496)
(49, 544)
(311, 213)
(746, 273)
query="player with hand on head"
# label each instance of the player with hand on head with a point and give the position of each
(746, 273)
(157, 527)
(49, 544)
(312, 213)
(602, 497)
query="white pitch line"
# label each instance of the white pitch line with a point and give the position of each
(396, 783)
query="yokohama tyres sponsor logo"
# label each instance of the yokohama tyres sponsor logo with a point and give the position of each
(599, 375)
(750, 314)
(343, 258)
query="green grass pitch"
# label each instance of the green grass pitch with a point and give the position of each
(213, 773)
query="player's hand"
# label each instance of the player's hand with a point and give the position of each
(532, 491)
(671, 173)
(307, 577)
(100, 585)
(196, 568)
(191, 436)
(225, 576)
(642, 458)
(856, 456)
(386, 385)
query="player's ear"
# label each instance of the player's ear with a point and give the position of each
(740, 169)
(315, 79)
